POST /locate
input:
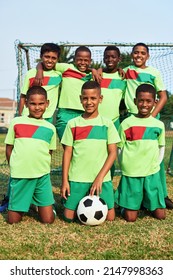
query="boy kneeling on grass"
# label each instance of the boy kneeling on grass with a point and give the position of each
(89, 151)
(29, 144)
(142, 150)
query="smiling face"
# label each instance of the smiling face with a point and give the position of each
(90, 99)
(36, 104)
(140, 55)
(49, 59)
(82, 60)
(145, 103)
(111, 59)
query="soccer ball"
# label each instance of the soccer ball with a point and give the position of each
(92, 210)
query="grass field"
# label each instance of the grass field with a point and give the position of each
(146, 239)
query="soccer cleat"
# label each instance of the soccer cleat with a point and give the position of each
(4, 204)
(169, 203)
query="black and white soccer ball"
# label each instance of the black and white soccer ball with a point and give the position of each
(92, 210)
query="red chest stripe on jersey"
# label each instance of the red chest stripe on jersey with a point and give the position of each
(105, 83)
(25, 130)
(135, 133)
(81, 132)
(69, 73)
(44, 82)
(131, 74)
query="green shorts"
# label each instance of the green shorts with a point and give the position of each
(133, 191)
(79, 190)
(23, 192)
(62, 117)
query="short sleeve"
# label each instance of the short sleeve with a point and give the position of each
(113, 136)
(67, 138)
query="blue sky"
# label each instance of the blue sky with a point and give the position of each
(92, 21)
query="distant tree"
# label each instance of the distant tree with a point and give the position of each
(125, 60)
(66, 55)
(97, 65)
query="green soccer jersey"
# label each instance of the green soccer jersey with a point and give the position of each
(140, 141)
(32, 139)
(51, 83)
(112, 89)
(72, 83)
(136, 76)
(89, 139)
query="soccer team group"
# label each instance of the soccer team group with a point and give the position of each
(92, 134)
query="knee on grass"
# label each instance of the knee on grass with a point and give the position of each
(68, 220)
(111, 215)
(46, 214)
(69, 215)
(14, 217)
(130, 215)
(159, 214)
(47, 220)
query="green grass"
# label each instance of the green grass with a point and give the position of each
(146, 239)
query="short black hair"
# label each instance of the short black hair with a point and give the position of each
(36, 90)
(91, 85)
(146, 88)
(142, 45)
(82, 49)
(50, 47)
(112, 48)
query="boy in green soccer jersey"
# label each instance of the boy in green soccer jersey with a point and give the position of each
(112, 85)
(89, 151)
(140, 73)
(29, 144)
(142, 150)
(73, 77)
(112, 88)
(49, 55)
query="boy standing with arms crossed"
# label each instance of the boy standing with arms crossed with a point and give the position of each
(29, 144)
(89, 152)
(142, 143)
